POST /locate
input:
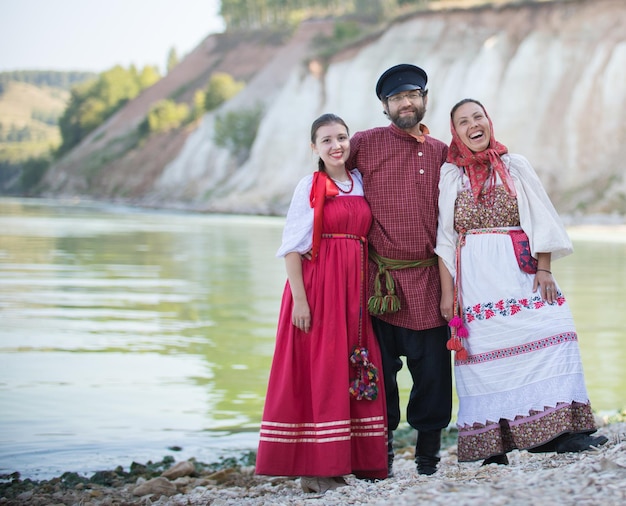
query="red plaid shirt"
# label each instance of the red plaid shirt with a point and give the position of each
(400, 181)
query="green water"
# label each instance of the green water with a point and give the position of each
(124, 333)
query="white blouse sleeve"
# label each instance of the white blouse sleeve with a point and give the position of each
(538, 217)
(449, 185)
(298, 231)
(358, 183)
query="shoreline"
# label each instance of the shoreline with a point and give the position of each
(592, 477)
(615, 233)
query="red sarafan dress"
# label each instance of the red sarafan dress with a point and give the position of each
(312, 425)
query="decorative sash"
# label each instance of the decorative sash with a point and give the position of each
(364, 384)
(390, 303)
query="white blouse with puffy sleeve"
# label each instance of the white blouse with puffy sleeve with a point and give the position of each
(298, 231)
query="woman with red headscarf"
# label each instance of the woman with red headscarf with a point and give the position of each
(325, 411)
(518, 371)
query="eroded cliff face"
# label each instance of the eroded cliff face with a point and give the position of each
(551, 75)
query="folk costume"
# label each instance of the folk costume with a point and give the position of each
(400, 177)
(325, 411)
(518, 371)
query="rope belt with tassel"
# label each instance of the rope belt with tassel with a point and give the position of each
(390, 303)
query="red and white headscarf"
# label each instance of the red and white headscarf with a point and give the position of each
(478, 165)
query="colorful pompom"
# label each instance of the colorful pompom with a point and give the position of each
(364, 386)
(462, 332)
(456, 321)
(461, 354)
(454, 344)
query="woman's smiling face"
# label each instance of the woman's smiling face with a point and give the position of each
(472, 126)
(332, 144)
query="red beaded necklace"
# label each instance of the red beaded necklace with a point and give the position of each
(336, 183)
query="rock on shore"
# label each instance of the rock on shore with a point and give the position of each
(590, 478)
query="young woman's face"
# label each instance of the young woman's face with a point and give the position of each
(332, 144)
(472, 126)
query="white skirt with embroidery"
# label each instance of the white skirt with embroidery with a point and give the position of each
(523, 352)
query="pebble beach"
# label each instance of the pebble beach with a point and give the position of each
(596, 477)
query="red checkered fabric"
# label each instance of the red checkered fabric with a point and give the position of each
(400, 181)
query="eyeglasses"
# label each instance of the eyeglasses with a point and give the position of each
(413, 96)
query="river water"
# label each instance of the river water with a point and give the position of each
(129, 335)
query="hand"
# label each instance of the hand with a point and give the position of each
(307, 255)
(545, 282)
(301, 317)
(446, 308)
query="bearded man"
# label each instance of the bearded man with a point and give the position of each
(400, 166)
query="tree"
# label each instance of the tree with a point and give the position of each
(197, 109)
(166, 115)
(148, 76)
(117, 86)
(52, 78)
(93, 102)
(33, 171)
(172, 59)
(221, 88)
(252, 14)
(236, 131)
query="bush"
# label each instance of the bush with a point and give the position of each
(33, 171)
(236, 131)
(197, 110)
(344, 32)
(221, 88)
(166, 115)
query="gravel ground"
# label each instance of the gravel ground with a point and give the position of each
(595, 477)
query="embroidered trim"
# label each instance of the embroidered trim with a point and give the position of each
(304, 440)
(306, 432)
(309, 424)
(520, 349)
(525, 432)
(508, 307)
(326, 432)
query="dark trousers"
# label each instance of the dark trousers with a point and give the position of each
(429, 362)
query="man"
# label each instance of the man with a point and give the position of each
(400, 166)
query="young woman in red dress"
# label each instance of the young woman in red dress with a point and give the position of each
(324, 415)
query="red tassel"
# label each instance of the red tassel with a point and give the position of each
(462, 332)
(455, 322)
(461, 354)
(454, 344)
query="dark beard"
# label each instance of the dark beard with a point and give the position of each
(408, 122)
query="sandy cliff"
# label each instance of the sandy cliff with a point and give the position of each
(551, 74)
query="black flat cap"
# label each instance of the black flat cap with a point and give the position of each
(403, 77)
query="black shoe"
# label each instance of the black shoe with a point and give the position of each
(598, 441)
(390, 454)
(548, 447)
(427, 451)
(427, 465)
(574, 443)
(501, 460)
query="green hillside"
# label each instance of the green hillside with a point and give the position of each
(31, 103)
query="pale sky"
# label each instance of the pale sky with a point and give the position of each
(95, 35)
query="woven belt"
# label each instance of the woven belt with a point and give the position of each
(390, 303)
